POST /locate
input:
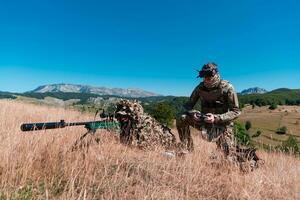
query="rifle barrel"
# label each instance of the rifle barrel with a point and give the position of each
(42, 126)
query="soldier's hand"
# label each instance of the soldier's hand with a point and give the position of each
(210, 118)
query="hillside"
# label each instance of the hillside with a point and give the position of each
(278, 96)
(40, 166)
(6, 95)
(268, 121)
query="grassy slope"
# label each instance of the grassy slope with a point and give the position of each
(268, 121)
(40, 166)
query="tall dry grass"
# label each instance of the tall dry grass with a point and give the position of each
(39, 165)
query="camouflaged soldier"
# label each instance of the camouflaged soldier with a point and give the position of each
(140, 129)
(219, 106)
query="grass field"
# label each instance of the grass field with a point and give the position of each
(40, 165)
(269, 121)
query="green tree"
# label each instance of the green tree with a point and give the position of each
(273, 106)
(282, 130)
(241, 134)
(163, 113)
(248, 125)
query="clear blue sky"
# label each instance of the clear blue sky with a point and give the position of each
(149, 44)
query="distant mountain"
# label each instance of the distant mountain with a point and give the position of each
(6, 95)
(73, 88)
(254, 90)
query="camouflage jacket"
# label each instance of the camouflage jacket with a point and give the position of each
(222, 101)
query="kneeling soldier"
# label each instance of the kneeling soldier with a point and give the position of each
(219, 107)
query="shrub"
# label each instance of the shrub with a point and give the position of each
(273, 106)
(258, 133)
(248, 125)
(282, 130)
(240, 134)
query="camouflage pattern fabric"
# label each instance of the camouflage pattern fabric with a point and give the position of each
(140, 129)
(221, 101)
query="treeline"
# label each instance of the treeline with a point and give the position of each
(174, 105)
(276, 97)
(165, 110)
(279, 97)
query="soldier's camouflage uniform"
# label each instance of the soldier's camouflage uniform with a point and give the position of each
(221, 101)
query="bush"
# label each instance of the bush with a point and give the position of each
(248, 125)
(273, 106)
(258, 133)
(282, 130)
(163, 113)
(240, 134)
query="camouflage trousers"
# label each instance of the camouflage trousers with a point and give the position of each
(222, 135)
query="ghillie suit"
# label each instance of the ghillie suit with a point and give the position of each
(140, 129)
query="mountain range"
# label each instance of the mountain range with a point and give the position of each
(130, 92)
(74, 88)
(254, 90)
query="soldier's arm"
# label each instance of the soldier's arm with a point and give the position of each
(233, 107)
(193, 99)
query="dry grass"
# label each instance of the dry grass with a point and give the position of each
(40, 166)
(269, 121)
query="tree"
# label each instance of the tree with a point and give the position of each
(282, 130)
(240, 133)
(163, 113)
(248, 125)
(273, 106)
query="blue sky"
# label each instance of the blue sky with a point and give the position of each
(153, 45)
